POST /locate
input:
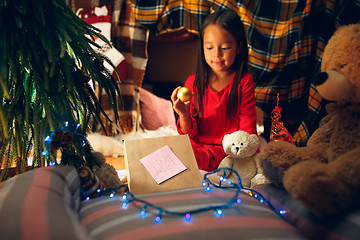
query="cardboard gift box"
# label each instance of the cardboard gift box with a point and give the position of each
(139, 178)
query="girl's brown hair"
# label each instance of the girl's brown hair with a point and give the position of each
(231, 22)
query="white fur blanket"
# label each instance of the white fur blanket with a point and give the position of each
(113, 146)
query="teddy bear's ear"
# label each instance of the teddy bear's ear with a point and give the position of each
(225, 142)
(225, 138)
(254, 138)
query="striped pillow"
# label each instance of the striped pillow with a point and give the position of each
(104, 218)
(41, 204)
(346, 226)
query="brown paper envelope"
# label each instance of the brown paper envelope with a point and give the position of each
(139, 179)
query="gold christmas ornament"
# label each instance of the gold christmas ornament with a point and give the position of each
(184, 94)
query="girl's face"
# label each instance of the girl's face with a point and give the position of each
(220, 49)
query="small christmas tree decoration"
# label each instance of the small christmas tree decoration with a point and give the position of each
(278, 130)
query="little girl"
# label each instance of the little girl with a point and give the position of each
(223, 91)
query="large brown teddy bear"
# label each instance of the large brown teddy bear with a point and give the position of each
(325, 174)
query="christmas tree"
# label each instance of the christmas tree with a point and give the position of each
(46, 67)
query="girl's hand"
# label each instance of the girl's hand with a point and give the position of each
(181, 108)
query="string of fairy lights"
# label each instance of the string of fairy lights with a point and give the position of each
(224, 183)
(74, 134)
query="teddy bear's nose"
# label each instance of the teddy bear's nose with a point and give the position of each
(321, 78)
(237, 149)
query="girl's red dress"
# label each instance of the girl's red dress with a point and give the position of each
(209, 129)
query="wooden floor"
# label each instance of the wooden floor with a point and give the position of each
(118, 163)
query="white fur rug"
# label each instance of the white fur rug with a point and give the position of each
(113, 146)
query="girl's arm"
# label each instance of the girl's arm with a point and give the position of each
(183, 110)
(185, 124)
(247, 107)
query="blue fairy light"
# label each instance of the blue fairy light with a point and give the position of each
(238, 201)
(282, 212)
(218, 212)
(229, 182)
(124, 197)
(124, 205)
(208, 189)
(66, 124)
(204, 184)
(157, 219)
(142, 213)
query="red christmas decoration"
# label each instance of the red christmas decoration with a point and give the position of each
(278, 131)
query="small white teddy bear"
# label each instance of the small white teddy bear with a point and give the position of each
(241, 149)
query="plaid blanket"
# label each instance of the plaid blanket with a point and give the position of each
(286, 42)
(130, 38)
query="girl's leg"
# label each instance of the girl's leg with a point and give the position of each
(208, 157)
